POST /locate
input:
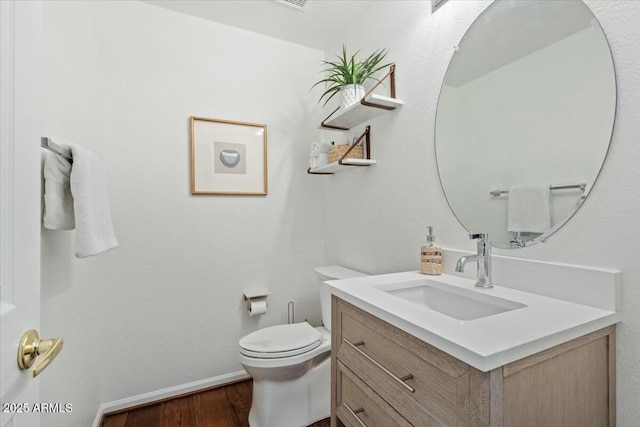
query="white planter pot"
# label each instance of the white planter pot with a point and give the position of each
(351, 94)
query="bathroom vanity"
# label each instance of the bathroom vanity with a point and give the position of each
(389, 367)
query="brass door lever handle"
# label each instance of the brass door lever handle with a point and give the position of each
(31, 346)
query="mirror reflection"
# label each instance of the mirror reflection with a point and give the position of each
(524, 118)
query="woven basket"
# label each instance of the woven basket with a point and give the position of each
(338, 151)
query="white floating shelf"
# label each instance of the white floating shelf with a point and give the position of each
(360, 113)
(347, 164)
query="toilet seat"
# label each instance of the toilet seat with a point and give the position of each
(281, 341)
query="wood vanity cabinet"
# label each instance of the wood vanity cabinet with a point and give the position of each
(382, 376)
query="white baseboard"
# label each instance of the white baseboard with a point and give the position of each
(165, 393)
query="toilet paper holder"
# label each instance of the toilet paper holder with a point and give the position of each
(254, 295)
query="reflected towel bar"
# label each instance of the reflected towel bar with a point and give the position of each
(55, 148)
(555, 187)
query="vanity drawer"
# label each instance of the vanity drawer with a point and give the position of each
(427, 386)
(358, 405)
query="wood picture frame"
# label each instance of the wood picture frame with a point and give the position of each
(228, 157)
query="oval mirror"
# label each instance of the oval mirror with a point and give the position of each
(524, 118)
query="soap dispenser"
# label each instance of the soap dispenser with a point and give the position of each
(430, 255)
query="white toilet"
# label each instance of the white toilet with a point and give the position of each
(290, 365)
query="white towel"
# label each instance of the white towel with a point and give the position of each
(529, 208)
(321, 159)
(91, 213)
(319, 148)
(58, 201)
(319, 155)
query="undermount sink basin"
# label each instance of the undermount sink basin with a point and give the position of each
(452, 301)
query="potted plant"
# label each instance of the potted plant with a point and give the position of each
(347, 74)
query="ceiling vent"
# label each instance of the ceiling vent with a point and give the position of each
(296, 4)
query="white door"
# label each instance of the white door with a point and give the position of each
(20, 70)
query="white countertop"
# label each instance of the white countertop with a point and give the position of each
(485, 343)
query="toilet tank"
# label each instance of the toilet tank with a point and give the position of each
(331, 272)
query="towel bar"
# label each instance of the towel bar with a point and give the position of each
(54, 148)
(582, 187)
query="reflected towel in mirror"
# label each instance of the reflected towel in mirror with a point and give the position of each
(529, 208)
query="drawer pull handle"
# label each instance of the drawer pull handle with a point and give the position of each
(385, 370)
(355, 413)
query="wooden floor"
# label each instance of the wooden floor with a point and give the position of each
(226, 406)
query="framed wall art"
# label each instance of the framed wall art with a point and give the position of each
(228, 157)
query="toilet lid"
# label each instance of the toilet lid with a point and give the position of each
(281, 341)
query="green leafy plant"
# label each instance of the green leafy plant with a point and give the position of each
(348, 70)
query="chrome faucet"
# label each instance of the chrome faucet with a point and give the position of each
(482, 257)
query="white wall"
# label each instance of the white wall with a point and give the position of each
(122, 79)
(395, 200)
